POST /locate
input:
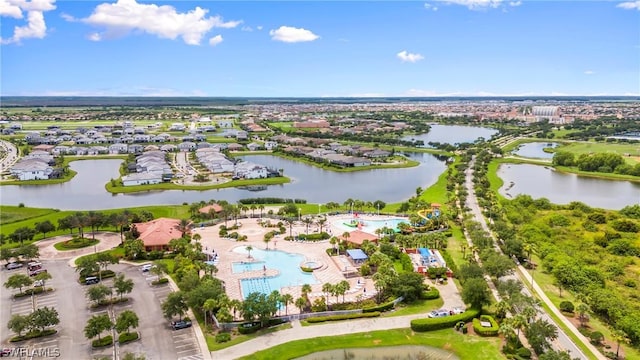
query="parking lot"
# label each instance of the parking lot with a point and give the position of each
(157, 340)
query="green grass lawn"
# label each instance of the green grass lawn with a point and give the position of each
(437, 193)
(237, 339)
(416, 307)
(464, 346)
(588, 147)
(74, 244)
(172, 186)
(10, 214)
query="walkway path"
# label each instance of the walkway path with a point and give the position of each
(108, 240)
(280, 337)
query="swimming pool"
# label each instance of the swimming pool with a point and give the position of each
(370, 226)
(287, 264)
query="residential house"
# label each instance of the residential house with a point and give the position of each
(254, 146)
(144, 178)
(270, 145)
(156, 234)
(187, 146)
(31, 169)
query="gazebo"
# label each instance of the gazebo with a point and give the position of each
(357, 256)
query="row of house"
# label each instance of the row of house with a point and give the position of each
(35, 166)
(218, 163)
(327, 155)
(150, 168)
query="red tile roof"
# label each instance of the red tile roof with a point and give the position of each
(358, 237)
(205, 210)
(158, 232)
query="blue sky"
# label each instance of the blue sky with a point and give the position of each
(331, 48)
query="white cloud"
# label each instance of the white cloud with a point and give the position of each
(35, 27)
(428, 93)
(292, 35)
(630, 5)
(68, 17)
(94, 37)
(247, 28)
(480, 4)
(259, 27)
(215, 40)
(430, 7)
(589, 72)
(163, 21)
(409, 57)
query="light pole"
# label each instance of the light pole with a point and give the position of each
(352, 208)
(299, 214)
(378, 206)
(319, 205)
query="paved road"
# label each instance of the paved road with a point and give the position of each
(8, 155)
(563, 342)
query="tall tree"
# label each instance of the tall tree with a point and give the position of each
(96, 325)
(18, 281)
(122, 285)
(97, 293)
(44, 227)
(174, 304)
(126, 320)
(475, 292)
(44, 317)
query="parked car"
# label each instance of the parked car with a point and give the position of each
(146, 267)
(438, 313)
(91, 280)
(183, 324)
(37, 271)
(458, 310)
(34, 266)
(14, 265)
(38, 283)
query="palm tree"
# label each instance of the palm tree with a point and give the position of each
(619, 337)
(249, 248)
(183, 226)
(333, 241)
(518, 322)
(327, 288)
(346, 236)
(196, 237)
(308, 222)
(507, 330)
(582, 309)
(290, 222)
(286, 300)
(321, 222)
(306, 289)
(207, 307)
(253, 208)
(342, 287)
(529, 313)
(261, 207)
(300, 303)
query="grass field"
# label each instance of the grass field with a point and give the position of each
(464, 346)
(10, 214)
(631, 152)
(171, 186)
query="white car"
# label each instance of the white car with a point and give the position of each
(14, 265)
(458, 310)
(38, 283)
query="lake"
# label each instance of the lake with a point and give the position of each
(563, 188)
(453, 134)
(535, 150)
(86, 190)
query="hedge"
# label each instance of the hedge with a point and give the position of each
(160, 281)
(314, 237)
(249, 328)
(319, 319)
(430, 294)
(33, 334)
(429, 324)
(28, 292)
(485, 331)
(105, 341)
(128, 337)
(380, 308)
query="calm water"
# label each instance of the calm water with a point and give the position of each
(561, 188)
(370, 226)
(535, 150)
(453, 134)
(287, 264)
(86, 190)
(403, 352)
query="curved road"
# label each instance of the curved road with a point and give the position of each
(563, 342)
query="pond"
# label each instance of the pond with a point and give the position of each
(563, 188)
(535, 150)
(86, 190)
(403, 352)
(453, 134)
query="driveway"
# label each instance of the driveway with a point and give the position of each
(108, 240)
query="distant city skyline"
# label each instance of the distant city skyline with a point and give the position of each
(319, 49)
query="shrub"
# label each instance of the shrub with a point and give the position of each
(33, 335)
(249, 328)
(524, 353)
(28, 292)
(223, 337)
(160, 281)
(306, 269)
(430, 294)
(485, 331)
(128, 337)
(314, 237)
(429, 324)
(596, 337)
(319, 319)
(567, 306)
(105, 341)
(379, 308)
(155, 255)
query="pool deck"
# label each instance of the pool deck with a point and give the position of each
(330, 272)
